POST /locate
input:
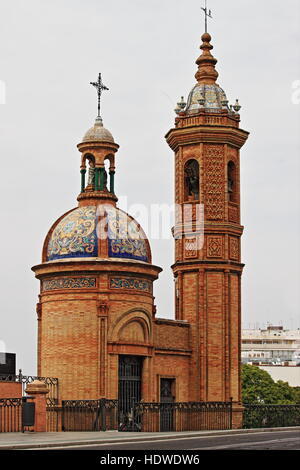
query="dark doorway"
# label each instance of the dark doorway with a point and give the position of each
(167, 392)
(130, 371)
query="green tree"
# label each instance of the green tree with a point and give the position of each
(297, 395)
(259, 387)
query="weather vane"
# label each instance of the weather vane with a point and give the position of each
(100, 87)
(207, 14)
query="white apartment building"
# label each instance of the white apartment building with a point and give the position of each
(272, 346)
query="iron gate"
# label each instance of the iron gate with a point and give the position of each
(89, 415)
(130, 368)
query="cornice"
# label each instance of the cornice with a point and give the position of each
(177, 137)
(96, 266)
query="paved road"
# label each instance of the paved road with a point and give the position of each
(276, 440)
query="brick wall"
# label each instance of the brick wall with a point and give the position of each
(174, 366)
(10, 390)
(171, 334)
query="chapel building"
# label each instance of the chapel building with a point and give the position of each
(98, 331)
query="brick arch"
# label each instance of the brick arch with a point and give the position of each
(140, 319)
(134, 331)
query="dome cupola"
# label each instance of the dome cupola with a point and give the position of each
(93, 232)
(98, 133)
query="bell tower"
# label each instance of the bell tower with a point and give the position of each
(206, 141)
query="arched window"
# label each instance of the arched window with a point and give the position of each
(191, 180)
(231, 182)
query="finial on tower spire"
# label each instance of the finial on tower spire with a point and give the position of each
(99, 87)
(207, 14)
(206, 62)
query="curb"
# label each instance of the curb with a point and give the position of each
(125, 440)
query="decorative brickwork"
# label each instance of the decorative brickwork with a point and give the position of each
(214, 178)
(214, 247)
(234, 252)
(190, 247)
(233, 213)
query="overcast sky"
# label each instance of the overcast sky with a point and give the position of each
(146, 51)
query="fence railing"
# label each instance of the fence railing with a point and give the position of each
(270, 416)
(89, 415)
(51, 382)
(53, 416)
(184, 416)
(103, 414)
(10, 414)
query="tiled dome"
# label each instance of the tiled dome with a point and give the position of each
(212, 96)
(98, 133)
(76, 235)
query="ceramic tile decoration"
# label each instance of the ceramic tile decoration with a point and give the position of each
(75, 235)
(125, 238)
(212, 94)
(69, 283)
(130, 283)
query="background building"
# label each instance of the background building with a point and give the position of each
(271, 346)
(275, 350)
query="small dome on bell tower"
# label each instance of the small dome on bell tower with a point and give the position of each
(98, 133)
(98, 149)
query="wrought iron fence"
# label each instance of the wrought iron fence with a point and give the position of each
(103, 414)
(89, 415)
(184, 416)
(10, 414)
(271, 416)
(51, 382)
(53, 416)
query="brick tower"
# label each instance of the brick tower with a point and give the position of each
(96, 302)
(206, 141)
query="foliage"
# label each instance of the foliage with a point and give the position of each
(259, 387)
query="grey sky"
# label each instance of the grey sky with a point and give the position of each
(146, 51)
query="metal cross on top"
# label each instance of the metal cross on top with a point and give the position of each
(100, 87)
(207, 14)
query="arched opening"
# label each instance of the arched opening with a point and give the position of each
(105, 174)
(231, 182)
(90, 159)
(91, 171)
(110, 172)
(191, 180)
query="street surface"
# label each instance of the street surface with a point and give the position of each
(276, 440)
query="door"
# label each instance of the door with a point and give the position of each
(167, 387)
(130, 371)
